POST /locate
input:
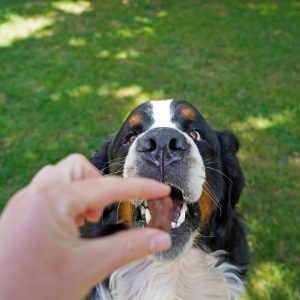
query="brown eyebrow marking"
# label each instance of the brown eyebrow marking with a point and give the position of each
(135, 119)
(188, 113)
(206, 205)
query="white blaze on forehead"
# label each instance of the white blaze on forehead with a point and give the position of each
(161, 114)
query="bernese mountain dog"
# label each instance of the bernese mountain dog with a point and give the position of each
(170, 141)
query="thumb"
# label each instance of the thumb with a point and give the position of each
(105, 255)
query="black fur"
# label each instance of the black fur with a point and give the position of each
(101, 158)
(226, 228)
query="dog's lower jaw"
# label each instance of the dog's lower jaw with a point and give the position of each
(194, 275)
(174, 254)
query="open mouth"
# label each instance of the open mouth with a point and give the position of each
(184, 217)
(179, 213)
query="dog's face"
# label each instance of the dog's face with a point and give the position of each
(171, 142)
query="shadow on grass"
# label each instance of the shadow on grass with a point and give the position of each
(72, 70)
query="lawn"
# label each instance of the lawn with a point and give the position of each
(72, 70)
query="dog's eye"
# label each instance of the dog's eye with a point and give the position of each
(195, 135)
(129, 139)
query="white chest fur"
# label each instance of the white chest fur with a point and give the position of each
(192, 276)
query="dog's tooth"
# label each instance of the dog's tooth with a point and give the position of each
(143, 210)
(181, 218)
(146, 203)
(148, 215)
(184, 208)
(173, 225)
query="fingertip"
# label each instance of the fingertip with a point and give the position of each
(154, 240)
(154, 188)
(161, 185)
(122, 248)
(155, 182)
(159, 242)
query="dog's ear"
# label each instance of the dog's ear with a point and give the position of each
(101, 158)
(228, 233)
(231, 167)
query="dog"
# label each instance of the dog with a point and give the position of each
(170, 141)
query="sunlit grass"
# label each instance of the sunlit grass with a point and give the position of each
(136, 93)
(80, 91)
(103, 54)
(18, 28)
(71, 7)
(262, 123)
(130, 91)
(269, 281)
(77, 42)
(130, 53)
(263, 8)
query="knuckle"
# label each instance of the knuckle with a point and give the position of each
(47, 169)
(77, 157)
(44, 172)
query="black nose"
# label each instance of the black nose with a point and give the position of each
(162, 146)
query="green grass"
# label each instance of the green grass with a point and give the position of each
(71, 71)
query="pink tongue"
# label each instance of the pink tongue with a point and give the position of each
(175, 209)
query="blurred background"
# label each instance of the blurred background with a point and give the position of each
(72, 70)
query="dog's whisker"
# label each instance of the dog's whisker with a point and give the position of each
(113, 173)
(117, 172)
(118, 208)
(213, 197)
(113, 164)
(218, 171)
(211, 162)
(215, 200)
(116, 159)
(209, 158)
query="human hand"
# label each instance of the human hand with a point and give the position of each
(42, 255)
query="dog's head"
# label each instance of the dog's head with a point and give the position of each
(171, 142)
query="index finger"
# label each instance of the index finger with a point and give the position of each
(97, 193)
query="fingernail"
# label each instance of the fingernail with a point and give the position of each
(160, 242)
